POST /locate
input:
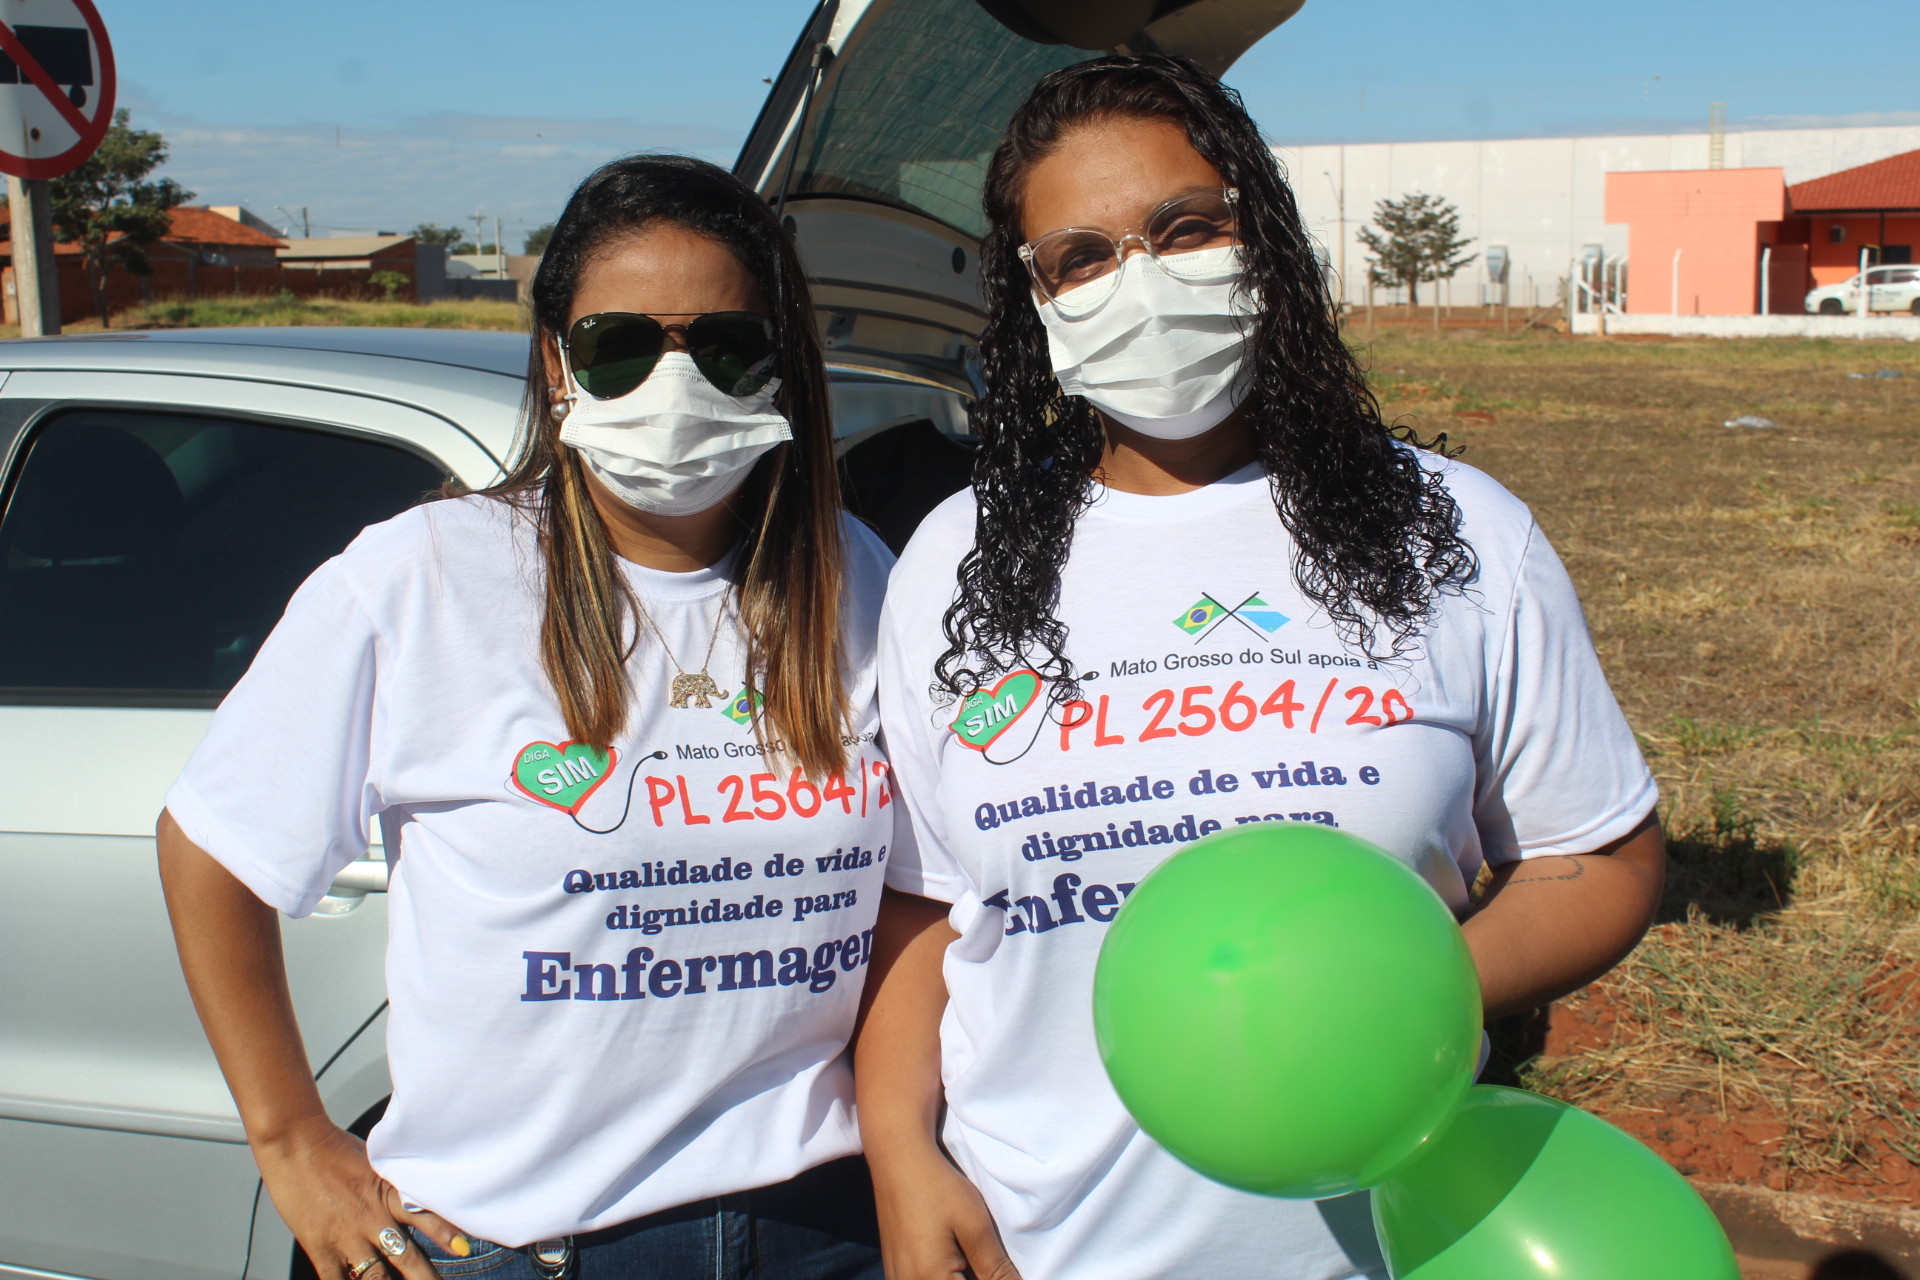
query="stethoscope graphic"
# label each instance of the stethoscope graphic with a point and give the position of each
(632, 775)
(1047, 717)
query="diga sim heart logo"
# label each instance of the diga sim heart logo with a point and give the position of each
(562, 775)
(985, 714)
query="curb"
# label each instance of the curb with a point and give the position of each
(1790, 1227)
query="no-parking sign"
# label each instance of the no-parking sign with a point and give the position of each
(56, 85)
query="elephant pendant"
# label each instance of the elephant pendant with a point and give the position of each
(697, 685)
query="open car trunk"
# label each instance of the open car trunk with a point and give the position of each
(873, 145)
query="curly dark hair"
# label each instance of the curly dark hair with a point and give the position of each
(1377, 531)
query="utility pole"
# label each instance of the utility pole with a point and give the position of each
(1340, 200)
(36, 283)
(499, 251)
(479, 229)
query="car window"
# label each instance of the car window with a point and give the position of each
(148, 555)
(917, 106)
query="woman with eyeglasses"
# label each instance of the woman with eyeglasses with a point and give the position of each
(616, 719)
(1197, 584)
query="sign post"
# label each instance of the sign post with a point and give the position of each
(36, 282)
(56, 104)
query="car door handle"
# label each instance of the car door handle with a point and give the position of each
(365, 876)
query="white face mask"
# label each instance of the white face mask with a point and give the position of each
(675, 444)
(1162, 352)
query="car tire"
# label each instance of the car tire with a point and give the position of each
(1915, 308)
(1832, 307)
(302, 1267)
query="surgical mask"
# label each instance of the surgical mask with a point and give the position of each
(1162, 352)
(675, 444)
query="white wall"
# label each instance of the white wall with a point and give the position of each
(1544, 198)
(1882, 325)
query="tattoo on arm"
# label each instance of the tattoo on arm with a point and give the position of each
(1573, 869)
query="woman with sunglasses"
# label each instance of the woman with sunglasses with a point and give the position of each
(616, 719)
(1197, 584)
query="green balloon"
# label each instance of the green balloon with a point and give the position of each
(1287, 1009)
(1521, 1187)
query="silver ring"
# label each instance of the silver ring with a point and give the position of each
(392, 1241)
(355, 1272)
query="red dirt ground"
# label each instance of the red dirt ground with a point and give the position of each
(1741, 1142)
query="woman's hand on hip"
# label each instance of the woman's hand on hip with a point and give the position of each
(338, 1207)
(935, 1226)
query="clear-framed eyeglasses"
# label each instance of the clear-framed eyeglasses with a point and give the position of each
(1083, 264)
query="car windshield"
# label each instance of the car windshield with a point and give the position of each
(916, 107)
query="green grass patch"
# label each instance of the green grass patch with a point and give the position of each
(1835, 744)
(1693, 738)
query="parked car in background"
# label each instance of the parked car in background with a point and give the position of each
(163, 494)
(1892, 288)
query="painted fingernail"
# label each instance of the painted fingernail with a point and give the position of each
(460, 1247)
(411, 1207)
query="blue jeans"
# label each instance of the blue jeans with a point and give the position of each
(818, 1226)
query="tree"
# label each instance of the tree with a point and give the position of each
(110, 210)
(537, 239)
(391, 281)
(434, 233)
(1419, 239)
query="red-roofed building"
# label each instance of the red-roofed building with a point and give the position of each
(192, 232)
(202, 253)
(218, 240)
(1875, 207)
(1697, 238)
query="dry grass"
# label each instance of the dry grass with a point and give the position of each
(286, 309)
(1808, 1021)
(1755, 597)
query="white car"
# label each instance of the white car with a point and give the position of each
(162, 494)
(1891, 288)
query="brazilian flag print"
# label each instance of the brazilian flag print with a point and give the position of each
(1199, 616)
(740, 709)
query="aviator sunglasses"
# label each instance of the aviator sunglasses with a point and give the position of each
(612, 352)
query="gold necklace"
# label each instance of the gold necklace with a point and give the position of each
(698, 685)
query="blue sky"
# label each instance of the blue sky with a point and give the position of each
(375, 116)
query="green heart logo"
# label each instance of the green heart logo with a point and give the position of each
(985, 714)
(562, 775)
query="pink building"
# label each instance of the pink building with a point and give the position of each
(1696, 238)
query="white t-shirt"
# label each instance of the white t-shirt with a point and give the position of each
(617, 984)
(1215, 695)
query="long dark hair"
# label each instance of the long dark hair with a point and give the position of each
(1377, 531)
(791, 562)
